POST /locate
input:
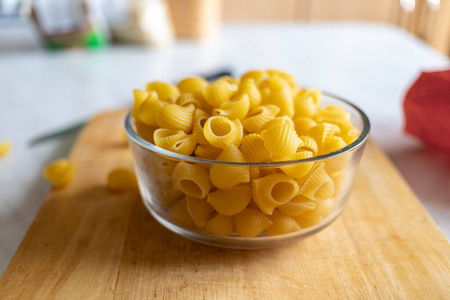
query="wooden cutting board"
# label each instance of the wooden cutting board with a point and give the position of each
(89, 243)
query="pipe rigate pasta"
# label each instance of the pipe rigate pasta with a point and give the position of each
(250, 88)
(220, 131)
(323, 132)
(60, 173)
(192, 85)
(282, 224)
(220, 225)
(217, 93)
(166, 92)
(147, 110)
(303, 124)
(274, 190)
(200, 118)
(257, 76)
(258, 117)
(296, 206)
(281, 140)
(201, 211)
(333, 114)
(252, 146)
(193, 180)
(207, 152)
(226, 177)
(283, 99)
(176, 117)
(250, 222)
(139, 98)
(314, 216)
(300, 169)
(318, 186)
(232, 201)
(235, 108)
(279, 120)
(175, 141)
(179, 214)
(309, 144)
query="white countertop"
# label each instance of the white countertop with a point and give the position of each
(371, 65)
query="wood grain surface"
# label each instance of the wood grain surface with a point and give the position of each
(89, 243)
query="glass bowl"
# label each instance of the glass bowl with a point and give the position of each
(168, 205)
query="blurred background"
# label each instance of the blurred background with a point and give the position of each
(68, 23)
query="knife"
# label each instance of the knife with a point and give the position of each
(78, 126)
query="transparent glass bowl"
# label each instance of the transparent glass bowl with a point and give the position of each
(155, 165)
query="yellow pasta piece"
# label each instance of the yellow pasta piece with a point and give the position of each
(318, 186)
(274, 190)
(187, 99)
(323, 132)
(283, 99)
(192, 84)
(207, 152)
(252, 146)
(258, 117)
(235, 108)
(281, 140)
(166, 91)
(337, 163)
(298, 170)
(176, 117)
(339, 181)
(276, 84)
(315, 216)
(139, 98)
(5, 148)
(145, 132)
(217, 93)
(146, 112)
(349, 133)
(254, 173)
(179, 214)
(220, 225)
(279, 120)
(201, 211)
(175, 141)
(229, 79)
(250, 222)
(193, 180)
(220, 131)
(298, 205)
(60, 173)
(232, 201)
(122, 179)
(303, 124)
(226, 177)
(200, 118)
(334, 114)
(250, 88)
(309, 144)
(257, 76)
(315, 94)
(332, 144)
(268, 171)
(282, 224)
(304, 106)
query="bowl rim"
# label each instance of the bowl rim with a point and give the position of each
(135, 137)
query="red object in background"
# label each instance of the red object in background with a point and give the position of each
(427, 109)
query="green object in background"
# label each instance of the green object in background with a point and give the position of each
(66, 24)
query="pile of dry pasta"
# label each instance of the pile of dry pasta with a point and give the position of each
(264, 116)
